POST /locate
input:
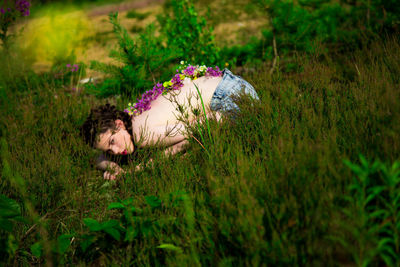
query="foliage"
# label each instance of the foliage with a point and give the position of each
(9, 13)
(374, 213)
(129, 227)
(143, 60)
(149, 58)
(303, 25)
(188, 33)
(10, 215)
(133, 225)
(376, 16)
(239, 55)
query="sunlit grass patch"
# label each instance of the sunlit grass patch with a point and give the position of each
(56, 36)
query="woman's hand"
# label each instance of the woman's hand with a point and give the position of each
(140, 167)
(112, 175)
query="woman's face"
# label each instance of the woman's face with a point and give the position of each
(117, 141)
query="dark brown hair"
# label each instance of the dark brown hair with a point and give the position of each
(101, 119)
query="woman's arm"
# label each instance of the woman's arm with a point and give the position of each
(169, 151)
(172, 150)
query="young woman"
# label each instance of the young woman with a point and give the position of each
(161, 124)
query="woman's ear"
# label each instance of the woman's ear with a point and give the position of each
(119, 124)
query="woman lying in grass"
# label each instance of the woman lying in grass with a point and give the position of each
(174, 105)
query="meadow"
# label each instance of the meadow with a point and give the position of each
(308, 175)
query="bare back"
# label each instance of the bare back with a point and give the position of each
(161, 121)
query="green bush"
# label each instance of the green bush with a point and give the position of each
(187, 33)
(304, 25)
(373, 214)
(144, 60)
(151, 58)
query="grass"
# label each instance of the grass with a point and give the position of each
(271, 192)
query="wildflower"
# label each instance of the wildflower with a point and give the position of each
(2, 10)
(73, 68)
(189, 71)
(23, 7)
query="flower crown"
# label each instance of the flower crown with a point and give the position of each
(183, 71)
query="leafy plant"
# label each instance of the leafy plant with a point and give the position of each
(305, 25)
(188, 33)
(135, 224)
(374, 212)
(129, 227)
(10, 11)
(10, 214)
(150, 58)
(143, 60)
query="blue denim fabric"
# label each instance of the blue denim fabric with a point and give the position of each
(230, 85)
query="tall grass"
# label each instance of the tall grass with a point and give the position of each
(271, 192)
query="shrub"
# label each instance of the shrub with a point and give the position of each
(188, 34)
(9, 13)
(143, 60)
(302, 25)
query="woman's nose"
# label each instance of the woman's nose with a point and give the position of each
(114, 150)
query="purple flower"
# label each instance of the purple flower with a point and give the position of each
(176, 82)
(73, 68)
(2, 11)
(23, 7)
(213, 72)
(144, 102)
(189, 71)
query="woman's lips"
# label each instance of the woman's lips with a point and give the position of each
(124, 152)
